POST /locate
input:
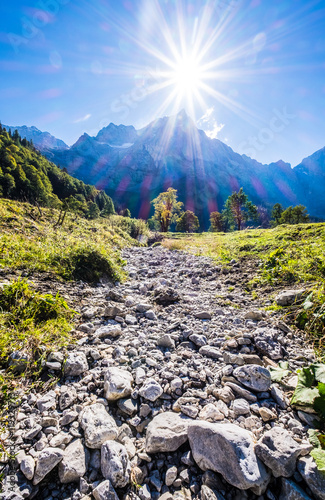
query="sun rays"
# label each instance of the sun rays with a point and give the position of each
(193, 56)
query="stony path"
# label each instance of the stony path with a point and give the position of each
(168, 395)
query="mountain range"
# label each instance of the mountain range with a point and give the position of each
(134, 166)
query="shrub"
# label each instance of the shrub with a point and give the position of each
(133, 227)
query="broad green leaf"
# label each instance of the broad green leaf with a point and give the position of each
(319, 457)
(321, 389)
(305, 394)
(318, 370)
(319, 403)
(306, 377)
(313, 438)
(279, 372)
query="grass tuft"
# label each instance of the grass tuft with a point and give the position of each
(31, 322)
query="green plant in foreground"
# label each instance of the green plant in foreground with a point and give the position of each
(280, 371)
(310, 390)
(310, 393)
(317, 439)
(311, 315)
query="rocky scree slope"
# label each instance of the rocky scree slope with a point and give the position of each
(167, 395)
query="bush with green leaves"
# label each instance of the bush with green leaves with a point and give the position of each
(88, 264)
(187, 222)
(309, 395)
(310, 389)
(133, 227)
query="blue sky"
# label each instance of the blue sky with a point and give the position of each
(250, 73)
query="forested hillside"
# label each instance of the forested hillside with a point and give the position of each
(26, 175)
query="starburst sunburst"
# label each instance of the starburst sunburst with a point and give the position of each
(188, 61)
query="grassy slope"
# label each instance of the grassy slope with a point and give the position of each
(30, 244)
(288, 253)
(287, 256)
(80, 249)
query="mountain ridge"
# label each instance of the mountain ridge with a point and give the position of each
(133, 166)
(43, 140)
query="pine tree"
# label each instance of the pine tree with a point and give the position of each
(277, 211)
(241, 208)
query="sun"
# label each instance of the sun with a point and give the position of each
(186, 76)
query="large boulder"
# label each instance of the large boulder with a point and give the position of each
(255, 377)
(166, 432)
(27, 467)
(229, 450)
(113, 310)
(46, 461)
(165, 295)
(166, 341)
(210, 352)
(73, 465)
(209, 494)
(47, 401)
(203, 315)
(18, 361)
(98, 425)
(279, 451)
(115, 464)
(117, 384)
(314, 478)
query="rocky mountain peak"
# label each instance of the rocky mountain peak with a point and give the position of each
(117, 135)
(42, 140)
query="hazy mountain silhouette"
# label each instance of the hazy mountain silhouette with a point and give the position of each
(133, 166)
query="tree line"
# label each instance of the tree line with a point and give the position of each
(237, 212)
(26, 175)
